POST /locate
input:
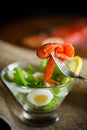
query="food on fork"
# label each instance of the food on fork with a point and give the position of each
(63, 51)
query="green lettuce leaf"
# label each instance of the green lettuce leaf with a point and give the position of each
(19, 77)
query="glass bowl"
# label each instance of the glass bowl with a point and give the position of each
(40, 105)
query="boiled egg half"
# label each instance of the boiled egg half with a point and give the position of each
(38, 75)
(40, 97)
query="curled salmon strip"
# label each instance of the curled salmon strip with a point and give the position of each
(65, 52)
(62, 51)
(45, 50)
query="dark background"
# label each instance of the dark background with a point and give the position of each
(10, 11)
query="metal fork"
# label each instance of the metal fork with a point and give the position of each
(65, 70)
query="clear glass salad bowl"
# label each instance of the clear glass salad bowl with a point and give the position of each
(40, 105)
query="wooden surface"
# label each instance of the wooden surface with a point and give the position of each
(73, 111)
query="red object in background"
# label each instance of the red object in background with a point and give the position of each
(74, 33)
(34, 41)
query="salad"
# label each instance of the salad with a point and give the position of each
(45, 87)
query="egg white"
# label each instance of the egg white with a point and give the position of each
(40, 92)
(10, 74)
(37, 75)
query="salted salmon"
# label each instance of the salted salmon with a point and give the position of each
(62, 51)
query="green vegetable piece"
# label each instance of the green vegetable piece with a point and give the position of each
(30, 69)
(19, 77)
(43, 64)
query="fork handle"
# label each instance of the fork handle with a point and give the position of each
(82, 78)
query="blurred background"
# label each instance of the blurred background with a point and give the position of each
(10, 11)
(20, 20)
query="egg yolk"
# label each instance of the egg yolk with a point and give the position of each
(40, 98)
